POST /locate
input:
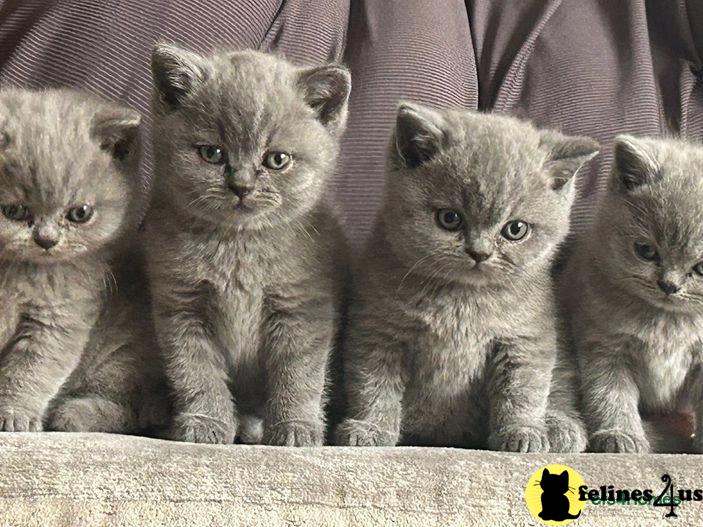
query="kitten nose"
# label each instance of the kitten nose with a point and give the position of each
(241, 190)
(45, 235)
(45, 242)
(479, 256)
(668, 287)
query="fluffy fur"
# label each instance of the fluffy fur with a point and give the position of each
(634, 297)
(442, 349)
(246, 260)
(72, 351)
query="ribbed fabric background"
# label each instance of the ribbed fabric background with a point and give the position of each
(397, 50)
(596, 67)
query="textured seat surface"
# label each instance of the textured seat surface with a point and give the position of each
(100, 479)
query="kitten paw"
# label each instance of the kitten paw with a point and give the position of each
(13, 419)
(697, 445)
(566, 436)
(352, 432)
(197, 428)
(251, 429)
(294, 433)
(618, 442)
(92, 414)
(520, 439)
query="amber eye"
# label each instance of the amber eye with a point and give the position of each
(646, 251)
(80, 214)
(15, 212)
(213, 154)
(277, 160)
(449, 219)
(515, 230)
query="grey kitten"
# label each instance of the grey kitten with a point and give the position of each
(246, 258)
(634, 292)
(68, 169)
(452, 335)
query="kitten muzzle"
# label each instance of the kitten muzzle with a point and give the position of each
(45, 236)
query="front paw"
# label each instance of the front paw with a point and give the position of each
(198, 428)
(352, 432)
(294, 433)
(16, 419)
(520, 439)
(697, 444)
(618, 442)
(566, 436)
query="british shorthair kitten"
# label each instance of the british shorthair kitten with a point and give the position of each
(634, 293)
(246, 257)
(453, 326)
(71, 357)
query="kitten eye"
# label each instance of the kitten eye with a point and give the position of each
(277, 160)
(80, 214)
(449, 219)
(515, 230)
(698, 268)
(212, 154)
(15, 212)
(647, 252)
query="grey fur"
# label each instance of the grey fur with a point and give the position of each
(439, 352)
(639, 349)
(246, 300)
(69, 357)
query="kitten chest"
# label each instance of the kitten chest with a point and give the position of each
(240, 282)
(666, 356)
(44, 293)
(444, 402)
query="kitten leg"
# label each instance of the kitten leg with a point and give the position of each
(93, 414)
(8, 322)
(298, 342)
(565, 426)
(374, 386)
(204, 411)
(610, 402)
(35, 365)
(101, 395)
(519, 380)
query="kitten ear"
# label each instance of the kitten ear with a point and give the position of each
(566, 155)
(177, 73)
(634, 162)
(117, 130)
(326, 90)
(419, 134)
(545, 473)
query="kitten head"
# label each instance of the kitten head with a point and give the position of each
(478, 198)
(68, 174)
(554, 483)
(245, 139)
(649, 223)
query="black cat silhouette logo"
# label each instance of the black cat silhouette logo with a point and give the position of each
(552, 496)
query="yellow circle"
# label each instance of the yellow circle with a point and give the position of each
(552, 494)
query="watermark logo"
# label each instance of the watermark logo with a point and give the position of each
(552, 495)
(557, 494)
